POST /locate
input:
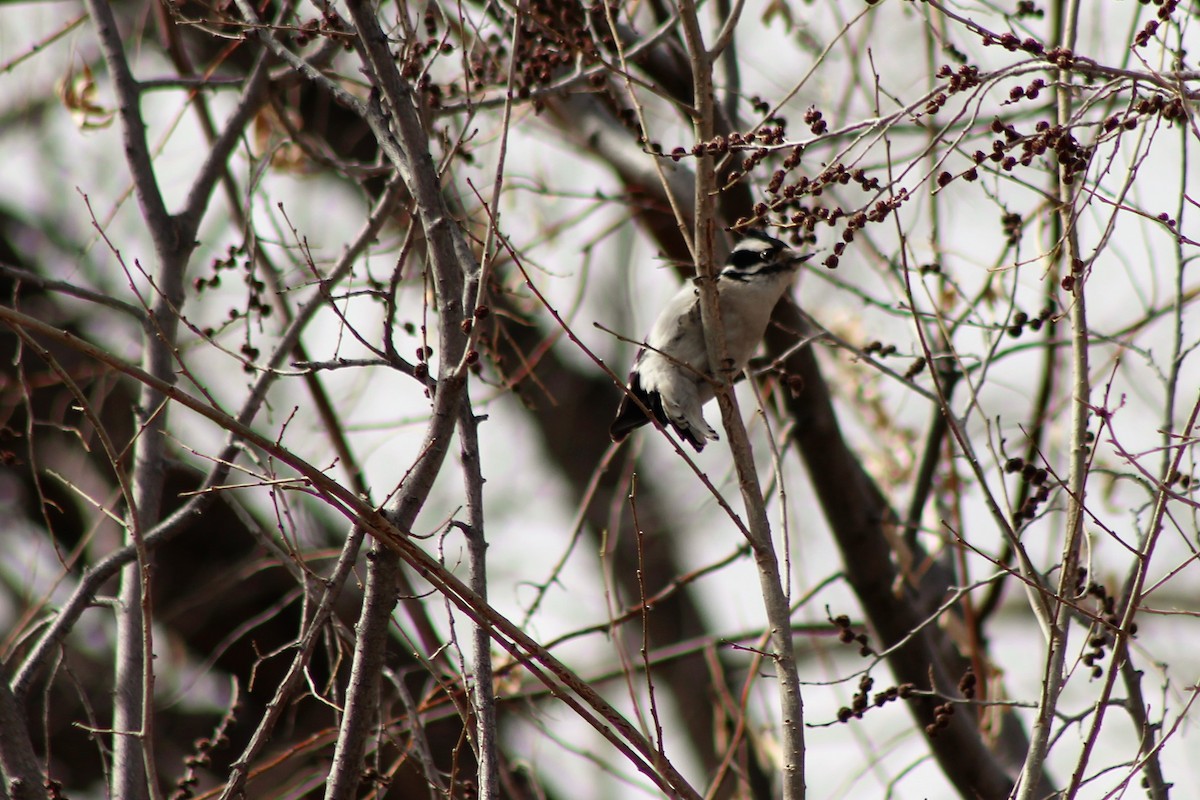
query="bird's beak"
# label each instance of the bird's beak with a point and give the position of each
(797, 259)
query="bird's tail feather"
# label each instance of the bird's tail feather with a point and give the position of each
(631, 416)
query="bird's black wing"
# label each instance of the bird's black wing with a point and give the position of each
(630, 415)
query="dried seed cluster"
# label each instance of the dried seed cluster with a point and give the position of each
(721, 145)
(1147, 107)
(966, 77)
(328, 25)
(915, 368)
(1178, 478)
(553, 36)
(815, 121)
(1102, 635)
(1011, 224)
(1165, 10)
(967, 683)
(879, 348)
(1012, 43)
(1072, 157)
(881, 351)
(256, 304)
(860, 703)
(421, 369)
(201, 757)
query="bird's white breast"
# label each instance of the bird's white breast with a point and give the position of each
(745, 311)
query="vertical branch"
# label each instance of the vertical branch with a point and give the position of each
(451, 260)
(19, 770)
(362, 695)
(132, 739)
(1068, 15)
(483, 698)
(775, 598)
(174, 240)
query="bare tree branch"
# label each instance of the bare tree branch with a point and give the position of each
(22, 776)
(775, 601)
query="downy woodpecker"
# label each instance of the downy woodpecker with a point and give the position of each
(671, 375)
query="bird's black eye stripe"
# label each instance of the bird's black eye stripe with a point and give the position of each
(745, 259)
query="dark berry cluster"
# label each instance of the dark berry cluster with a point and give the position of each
(1109, 621)
(1153, 105)
(861, 702)
(230, 261)
(1069, 281)
(416, 50)
(1165, 10)
(755, 142)
(1061, 57)
(1180, 479)
(201, 757)
(1021, 320)
(1027, 8)
(256, 303)
(1012, 43)
(553, 37)
(846, 634)
(1030, 92)
(941, 719)
(880, 349)
(814, 121)
(858, 703)
(965, 78)
(1034, 476)
(329, 25)
(916, 368)
(815, 186)
(786, 197)
(1072, 156)
(1011, 224)
(421, 370)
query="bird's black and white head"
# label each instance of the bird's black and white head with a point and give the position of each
(757, 256)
